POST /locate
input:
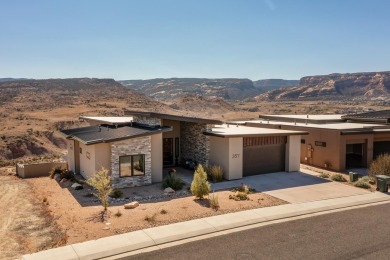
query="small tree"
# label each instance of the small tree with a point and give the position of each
(200, 186)
(101, 182)
(381, 165)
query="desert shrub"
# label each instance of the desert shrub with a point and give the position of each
(200, 187)
(214, 203)
(101, 182)
(368, 179)
(173, 181)
(216, 173)
(380, 166)
(362, 184)
(338, 177)
(116, 193)
(163, 211)
(324, 175)
(244, 188)
(239, 195)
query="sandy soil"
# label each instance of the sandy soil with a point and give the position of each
(25, 225)
(79, 214)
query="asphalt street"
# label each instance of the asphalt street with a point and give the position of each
(352, 234)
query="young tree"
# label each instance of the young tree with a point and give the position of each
(200, 186)
(101, 181)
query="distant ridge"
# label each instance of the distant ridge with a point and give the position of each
(362, 85)
(226, 88)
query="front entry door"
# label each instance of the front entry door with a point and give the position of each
(168, 151)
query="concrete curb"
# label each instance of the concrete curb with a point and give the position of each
(119, 244)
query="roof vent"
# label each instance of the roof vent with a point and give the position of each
(100, 128)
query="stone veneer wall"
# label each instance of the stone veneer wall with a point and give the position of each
(140, 145)
(147, 120)
(194, 144)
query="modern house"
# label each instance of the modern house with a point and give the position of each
(338, 142)
(135, 148)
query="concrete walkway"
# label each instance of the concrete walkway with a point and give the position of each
(293, 187)
(159, 236)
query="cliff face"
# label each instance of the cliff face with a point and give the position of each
(365, 85)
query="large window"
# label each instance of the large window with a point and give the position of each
(132, 165)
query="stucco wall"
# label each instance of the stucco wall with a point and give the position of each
(293, 149)
(140, 145)
(194, 144)
(87, 164)
(235, 158)
(37, 169)
(102, 156)
(157, 158)
(227, 152)
(219, 153)
(70, 156)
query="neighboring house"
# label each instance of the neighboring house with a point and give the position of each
(137, 147)
(338, 142)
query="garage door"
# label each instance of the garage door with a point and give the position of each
(381, 148)
(264, 155)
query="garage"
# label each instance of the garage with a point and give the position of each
(264, 155)
(381, 147)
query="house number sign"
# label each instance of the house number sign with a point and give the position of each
(235, 155)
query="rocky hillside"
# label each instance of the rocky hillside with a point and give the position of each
(265, 85)
(202, 105)
(32, 111)
(228, 89)
(365, 85)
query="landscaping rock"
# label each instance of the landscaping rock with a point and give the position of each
(63, 180)
(131, 205)
(169, 190)
(57, 177)
(76, 185)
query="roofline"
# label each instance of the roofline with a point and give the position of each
(300, 120)
(253, 135)
(97, 141)
(86, 118)
(175, 117)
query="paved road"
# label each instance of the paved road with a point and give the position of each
(353, 234)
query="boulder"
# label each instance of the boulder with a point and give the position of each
(169, 190)
(75, 185)
(57, 177)
(131, 205)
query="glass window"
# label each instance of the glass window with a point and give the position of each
(132, 165)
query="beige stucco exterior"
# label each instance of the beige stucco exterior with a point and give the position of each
(293, 153)
(157, 159)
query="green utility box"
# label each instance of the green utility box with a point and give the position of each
(382, 182)
(353, 176)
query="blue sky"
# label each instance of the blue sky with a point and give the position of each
(140, 39)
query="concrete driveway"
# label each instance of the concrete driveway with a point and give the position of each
(293, 187)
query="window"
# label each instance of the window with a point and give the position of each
(132, 165)
(303, 141)
(318, 143)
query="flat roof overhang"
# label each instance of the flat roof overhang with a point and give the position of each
(115, 120)
(175, 117)
(313, 119)
(245, 131)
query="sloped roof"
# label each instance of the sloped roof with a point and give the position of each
(106, 134)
